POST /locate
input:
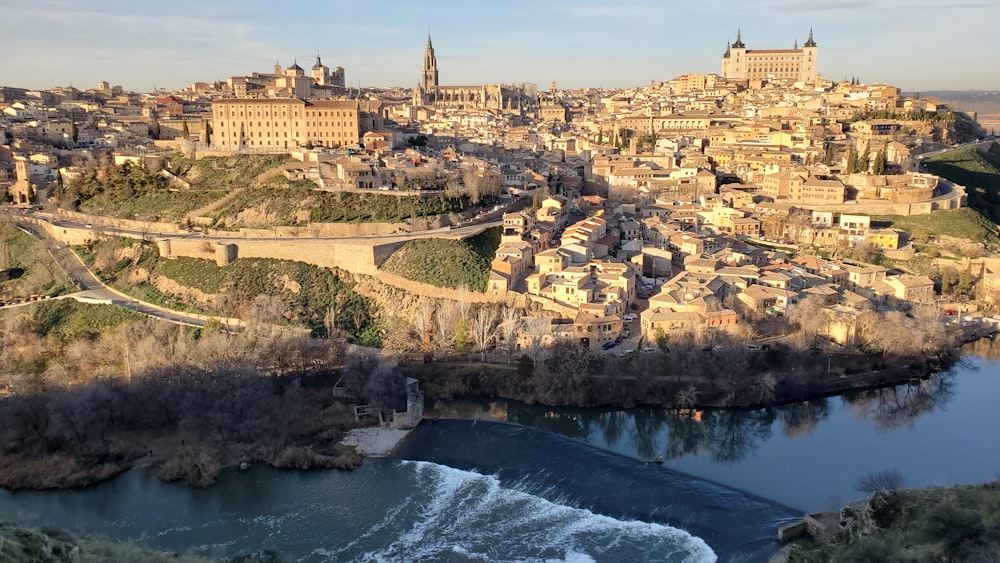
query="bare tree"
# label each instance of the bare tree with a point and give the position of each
(423, 322)
(464, 305)
(447, 317)
(888, 480)
(483, 328)
(510, 327)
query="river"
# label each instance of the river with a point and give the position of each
(568, 484)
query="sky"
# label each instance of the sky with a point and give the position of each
(917, 45)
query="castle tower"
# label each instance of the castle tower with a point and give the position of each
(808, 68)
(429, 79)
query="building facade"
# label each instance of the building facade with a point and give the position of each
(254, 123)
(500, 97)
(794, 65)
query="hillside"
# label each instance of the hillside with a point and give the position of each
(965, 223)
(306, 293)
(294, 203)
(26, 268)
(955, 524)
(57, 546)
(447, 263)
(130, 191)
(979, 172)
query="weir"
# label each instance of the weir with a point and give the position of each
(738, 526)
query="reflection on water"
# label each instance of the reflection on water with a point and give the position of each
(896, 407)
(726, 436)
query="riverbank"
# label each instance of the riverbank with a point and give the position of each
(685, 379)
(374, 441)
(53, 545)
(959, 523)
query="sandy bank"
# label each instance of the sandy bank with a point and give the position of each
(374, 441)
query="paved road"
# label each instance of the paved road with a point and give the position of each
(92, 290)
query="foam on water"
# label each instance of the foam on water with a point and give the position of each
(463, 515)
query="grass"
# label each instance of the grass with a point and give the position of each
(224, 173)
(294, 203)
(965, 223)
(155, 206)
(446, 263)
(68, 319)
(978, 172)
(31, 269)
(307, 292)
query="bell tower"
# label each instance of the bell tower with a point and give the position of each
(429, 79)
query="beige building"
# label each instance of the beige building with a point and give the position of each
(794, 65)
(250, 123)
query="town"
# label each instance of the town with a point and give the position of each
(703, 205)
(287, 268)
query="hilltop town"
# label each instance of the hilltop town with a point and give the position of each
(762, 204)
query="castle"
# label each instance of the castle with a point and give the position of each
(499, 97)
(792, 65)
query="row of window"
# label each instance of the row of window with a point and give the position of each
(317, 113)
(234, 124)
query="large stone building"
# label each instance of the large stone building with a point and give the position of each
(500, 97)
(292, 82)
(794, 65)
(254, 123)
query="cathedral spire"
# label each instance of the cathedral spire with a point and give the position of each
(429, 77)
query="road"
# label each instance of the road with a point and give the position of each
(92, 290)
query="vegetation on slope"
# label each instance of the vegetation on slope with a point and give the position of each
(28, 268)
(132, 191)
(979, 172)
(447, 263)
(954, 524)
(297, 204)
(305, 294)
(57, 546)
(965, 223)
(224, 173)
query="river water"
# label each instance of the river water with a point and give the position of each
(565, 484)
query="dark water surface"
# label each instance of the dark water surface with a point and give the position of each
(935, 431)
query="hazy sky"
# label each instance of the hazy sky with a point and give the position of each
(913, 44)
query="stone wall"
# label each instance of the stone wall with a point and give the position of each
(115, 223)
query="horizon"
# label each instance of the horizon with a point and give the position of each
(575, 44)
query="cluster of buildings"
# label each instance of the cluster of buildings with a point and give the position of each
(691, 172)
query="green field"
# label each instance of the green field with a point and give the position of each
(965, 223)
(979, 172)
(447, 263)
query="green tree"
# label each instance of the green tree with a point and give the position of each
(74, 132)
(828, 157)
(600, 136)
(207, 137)
(852, 159)
(185, 131)
(865, 160)
(463, 340)
(881, 158)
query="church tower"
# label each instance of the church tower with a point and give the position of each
(320, 72)
(429, 80)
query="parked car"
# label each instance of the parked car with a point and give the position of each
(609, 345)
(630, 316)
(625, 353)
